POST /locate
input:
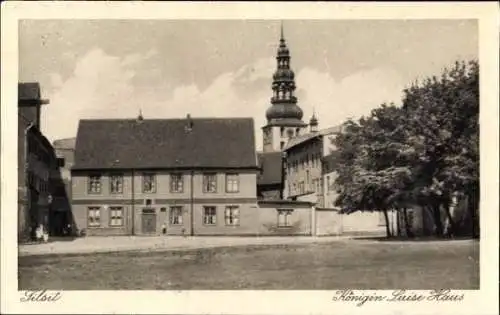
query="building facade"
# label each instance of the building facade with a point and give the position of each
(38, 166)
(172, 176)
(61, 201)
(305, 176)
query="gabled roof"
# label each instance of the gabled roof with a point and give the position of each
(165, 143)
(308, 136)
(271, 168)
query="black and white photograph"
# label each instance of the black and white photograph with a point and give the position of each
(273, 153)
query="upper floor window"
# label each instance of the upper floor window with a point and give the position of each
(116, 184)
(210, 183)
(282, 144)
(94, 185)
(232, 183)
(282, 132)
(176, 183)
(148, 183)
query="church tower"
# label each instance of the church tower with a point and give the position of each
(284, 116)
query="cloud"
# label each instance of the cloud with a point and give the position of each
(102, 86)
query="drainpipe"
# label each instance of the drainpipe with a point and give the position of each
(283, 170)
(192, 203)
(133, 203)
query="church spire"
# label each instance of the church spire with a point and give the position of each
(313, 122)
(284, 103)
(282, 38)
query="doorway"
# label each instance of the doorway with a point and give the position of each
(148, 221)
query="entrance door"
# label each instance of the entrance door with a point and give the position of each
(148, 223)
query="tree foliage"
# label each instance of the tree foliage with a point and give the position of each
(425, 152)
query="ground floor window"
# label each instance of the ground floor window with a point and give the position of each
(94, 216)
(175, 215)
(115, 216)
(232, 215)
(209, 215)
(284, 218)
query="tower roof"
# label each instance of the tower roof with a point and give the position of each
(313, 121)
(284, 108)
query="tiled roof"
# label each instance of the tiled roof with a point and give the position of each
(28, 91)
(305, 137)
(165, 143)
(271, 168)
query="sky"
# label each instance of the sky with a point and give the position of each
(223, 68)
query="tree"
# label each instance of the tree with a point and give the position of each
(423, 153)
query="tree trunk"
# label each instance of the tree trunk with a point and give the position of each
(387, 224)
(473, 207)
(436, 211)
(398, 224)
(409, 233)
(452, 227)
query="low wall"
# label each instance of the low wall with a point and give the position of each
(331, 222)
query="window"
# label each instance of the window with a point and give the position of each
(175, 215)
(232, 183)
(209, 215)
(282, 132)
(94, 184)
(94, 216)
(284, 218)
(297, 131)
(148, 183)
(210, 183)
(176, 183)
(232, 215)
(116, 184)
(282, 144)
(115, 216)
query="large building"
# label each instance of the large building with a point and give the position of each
(38, 166)
(173, 176)
(305, 176)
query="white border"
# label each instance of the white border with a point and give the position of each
(484, 301)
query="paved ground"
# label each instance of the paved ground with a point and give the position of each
(294, 264)
(126, 243)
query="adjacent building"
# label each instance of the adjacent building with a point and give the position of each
(304, 164)
(38, 166)
(61, 201)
